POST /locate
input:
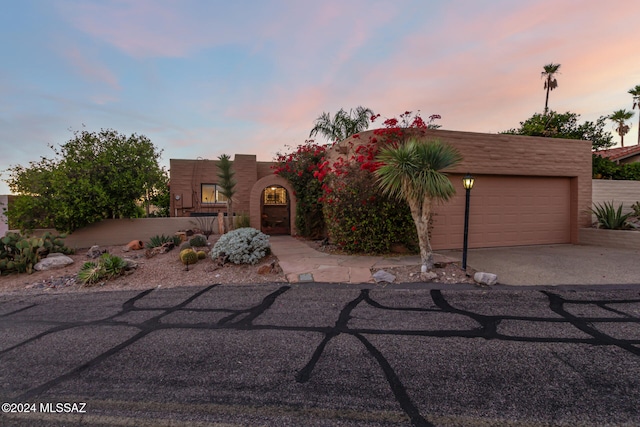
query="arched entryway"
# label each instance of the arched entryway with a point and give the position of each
(275, 210)
(273, 206)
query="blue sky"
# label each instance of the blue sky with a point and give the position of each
(202, 77)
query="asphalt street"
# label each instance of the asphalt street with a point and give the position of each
(322, 355)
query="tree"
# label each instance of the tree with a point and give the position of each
(413, 172)
(565, 125)
(635, 92)
(93, 176)
(227, 183)
(550, 82)
(620, 117)
(342, 125)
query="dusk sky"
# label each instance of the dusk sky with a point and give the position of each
(202, 78)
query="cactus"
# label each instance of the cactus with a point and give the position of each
(188, 256)
(201, 254)
(198, 240)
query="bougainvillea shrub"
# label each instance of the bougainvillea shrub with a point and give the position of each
(340, 197)
(299, 167)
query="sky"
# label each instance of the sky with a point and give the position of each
(201, 78)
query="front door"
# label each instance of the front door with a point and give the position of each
(275, 217)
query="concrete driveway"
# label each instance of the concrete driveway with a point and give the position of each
(556, 264)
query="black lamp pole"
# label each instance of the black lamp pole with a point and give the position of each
(467, 182)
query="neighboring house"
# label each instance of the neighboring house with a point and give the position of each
(621, 155)
(265, 197)
(528, 190)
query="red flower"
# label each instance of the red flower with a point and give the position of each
(353, 228)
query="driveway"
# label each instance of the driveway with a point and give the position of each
(320, 355)
(552, 265)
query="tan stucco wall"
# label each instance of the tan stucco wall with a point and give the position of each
(188, 175)
(513, 155)
(625, 192)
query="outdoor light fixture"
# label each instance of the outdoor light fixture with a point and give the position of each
(467, 183)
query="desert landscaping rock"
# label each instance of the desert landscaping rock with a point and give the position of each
(488, 279)
(52, 262)
(428, 276)
(383, 276)
(94, 252)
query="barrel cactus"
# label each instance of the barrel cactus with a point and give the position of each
(201, 254)
(198, 240)
(188, 256)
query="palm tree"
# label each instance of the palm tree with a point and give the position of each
(412, 172)
(550, 82)
(620, 117)
(635, 92)
(342, 125)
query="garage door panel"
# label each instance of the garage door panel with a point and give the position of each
(506, 211)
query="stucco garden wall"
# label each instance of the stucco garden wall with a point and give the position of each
(625, 192)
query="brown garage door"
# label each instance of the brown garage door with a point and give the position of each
(506, 211)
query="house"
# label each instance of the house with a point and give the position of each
(265, 197)
(528, 190)
(621, 155)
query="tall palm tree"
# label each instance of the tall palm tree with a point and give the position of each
(620, 117)
(550, 82)
(412, 172)
(635, 92)
(343, 124)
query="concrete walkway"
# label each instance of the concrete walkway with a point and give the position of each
(301, 263)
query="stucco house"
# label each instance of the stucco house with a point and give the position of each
(621, 155)
(528, 190)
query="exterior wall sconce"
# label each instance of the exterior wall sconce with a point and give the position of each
(467, 183)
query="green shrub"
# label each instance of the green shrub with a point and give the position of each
(106, 267)
(198, 240)
(360, 220)
(609, 217)
(242, 246)
(156, 241)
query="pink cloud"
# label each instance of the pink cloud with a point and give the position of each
(91, 70)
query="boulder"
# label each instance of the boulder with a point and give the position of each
(52, 262)
(383, 276)
(488, 279)
(428, 276)
(95, 252)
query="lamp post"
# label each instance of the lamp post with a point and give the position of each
(467, 183)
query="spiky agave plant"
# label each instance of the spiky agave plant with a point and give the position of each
(90, 273)
(113, 265)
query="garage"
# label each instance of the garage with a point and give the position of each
(506, 211)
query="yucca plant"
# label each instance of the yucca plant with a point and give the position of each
(609, 217)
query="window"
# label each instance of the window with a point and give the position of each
(275, 196)
(210, 193)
